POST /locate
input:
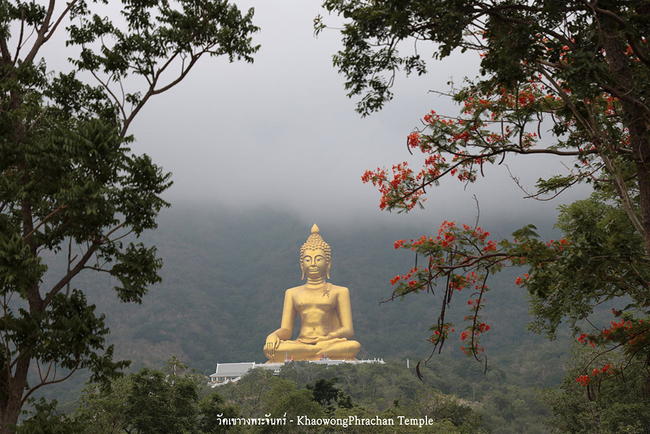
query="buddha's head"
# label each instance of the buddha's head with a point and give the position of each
(315, 256)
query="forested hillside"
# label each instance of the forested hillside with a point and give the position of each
(224, 277)
(223, 283)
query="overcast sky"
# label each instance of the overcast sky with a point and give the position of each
(280, 132)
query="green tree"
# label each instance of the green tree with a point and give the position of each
(162, 401)
(611, 402)
(324, 391)
(293, 403)
(152, 401)
(47, 419)
(252, 392)
(101, 410)
(583, 67)
(212, 409)
(70, 185)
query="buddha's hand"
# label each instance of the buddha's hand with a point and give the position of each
(272, 342)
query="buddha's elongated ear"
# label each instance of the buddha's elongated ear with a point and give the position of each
(303, 271)
(329, 265)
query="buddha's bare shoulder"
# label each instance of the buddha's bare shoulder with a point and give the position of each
(339, 289)
(294, 289)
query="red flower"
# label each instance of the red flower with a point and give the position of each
(414, 140)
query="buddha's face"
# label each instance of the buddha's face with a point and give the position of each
(315, 264)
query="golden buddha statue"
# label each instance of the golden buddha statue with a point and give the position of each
(325, 312)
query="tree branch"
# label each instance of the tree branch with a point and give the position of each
(73, 272)
(38, 386)
(40, 39)
(56, 211)
(58, 21)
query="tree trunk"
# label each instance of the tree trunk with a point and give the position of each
(11, 404)
(14, 381)
(636, 121)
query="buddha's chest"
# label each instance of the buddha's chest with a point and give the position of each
(312, 300)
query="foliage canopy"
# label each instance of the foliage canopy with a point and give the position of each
(70, 184)
(584, 68)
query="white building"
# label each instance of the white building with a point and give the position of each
(232, 372)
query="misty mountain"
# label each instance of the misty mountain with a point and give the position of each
(225, 274)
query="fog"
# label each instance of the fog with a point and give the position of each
(281, 133)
